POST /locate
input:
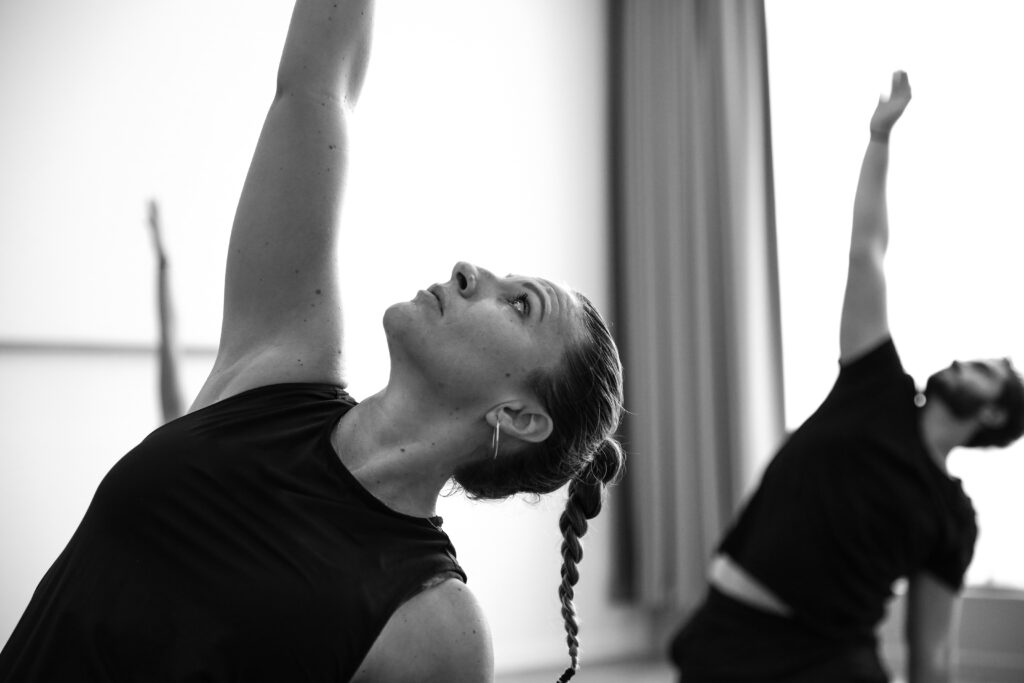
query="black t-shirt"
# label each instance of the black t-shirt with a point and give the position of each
(852, 502)
(230, 545)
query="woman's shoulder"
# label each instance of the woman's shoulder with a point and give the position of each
(279, 394)
(228, 380)
(283, 415)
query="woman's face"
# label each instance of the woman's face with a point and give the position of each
(477, 336)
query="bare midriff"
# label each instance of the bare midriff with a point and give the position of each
(731, 579)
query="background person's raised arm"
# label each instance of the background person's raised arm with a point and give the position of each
(865, 318)
(171, 403)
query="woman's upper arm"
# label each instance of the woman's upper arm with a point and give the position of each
(282, 306)
(438, 635)
(281, 288)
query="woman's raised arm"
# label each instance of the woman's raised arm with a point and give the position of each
(282, 308)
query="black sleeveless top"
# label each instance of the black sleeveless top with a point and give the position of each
(230, 545)
(852, 502)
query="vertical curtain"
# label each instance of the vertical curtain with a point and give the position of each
(697, 305)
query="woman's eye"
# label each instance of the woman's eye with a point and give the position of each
(521, 303)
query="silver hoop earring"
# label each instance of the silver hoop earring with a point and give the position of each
(496, 438)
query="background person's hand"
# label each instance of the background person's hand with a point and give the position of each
(890, 109)
(154, 225)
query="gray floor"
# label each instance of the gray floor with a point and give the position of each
(633, 672)
(623, 672)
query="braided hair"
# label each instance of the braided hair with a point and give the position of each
(586, 496)
(584, 399)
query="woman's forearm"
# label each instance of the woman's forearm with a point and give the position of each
(327, 48)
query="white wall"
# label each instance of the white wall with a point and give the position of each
(480, 136)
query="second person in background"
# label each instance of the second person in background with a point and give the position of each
(857, 498)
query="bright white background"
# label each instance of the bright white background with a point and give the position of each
(956, 219)
(481, 135)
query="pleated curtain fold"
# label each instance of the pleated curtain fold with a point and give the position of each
(697, 303)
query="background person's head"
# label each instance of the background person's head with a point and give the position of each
(988, 391)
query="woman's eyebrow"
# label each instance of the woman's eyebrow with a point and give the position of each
(540, 297)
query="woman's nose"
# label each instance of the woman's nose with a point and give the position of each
(466, 277)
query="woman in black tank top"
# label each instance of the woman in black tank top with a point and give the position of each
(504, 384)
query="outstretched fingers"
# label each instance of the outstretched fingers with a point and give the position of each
(890, 108)
(900, 91)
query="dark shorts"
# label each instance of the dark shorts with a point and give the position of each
(725, 641)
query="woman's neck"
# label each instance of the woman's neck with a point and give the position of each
(402, 453)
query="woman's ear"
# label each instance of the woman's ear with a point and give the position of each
(525, 421)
